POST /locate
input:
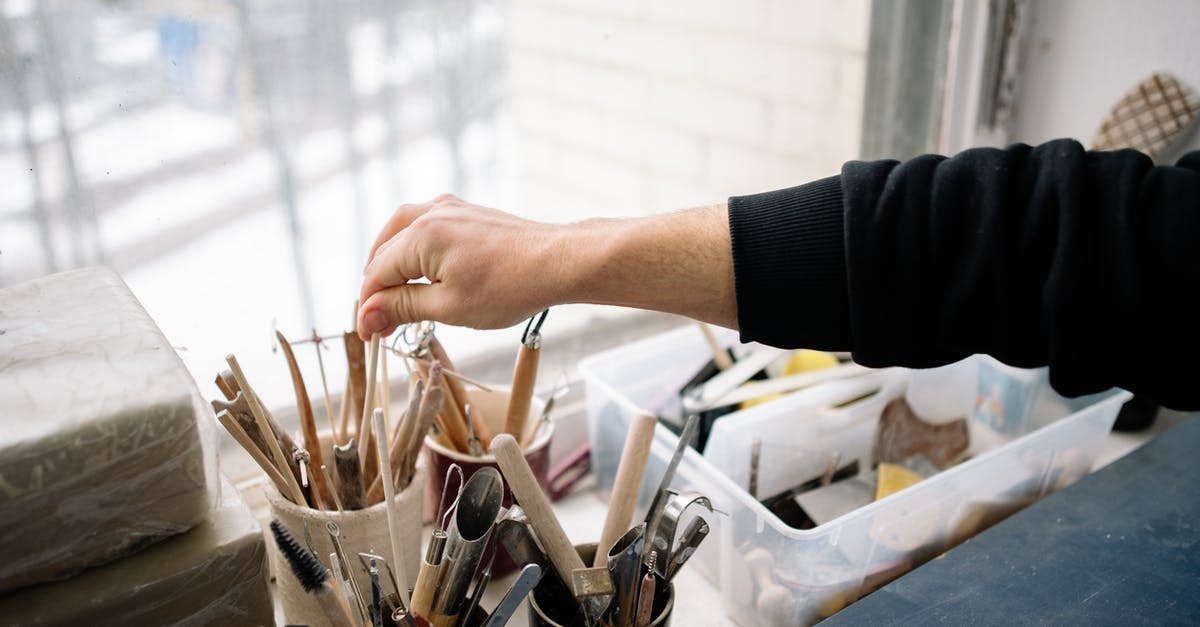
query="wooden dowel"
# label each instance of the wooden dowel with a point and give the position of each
(452, 424)
(356, 362)
(364, 424)
(325, 388)
(341, 434)
(272, 444)
(528, 493)
(431, 404)
(720, 355)
(626, 484)
(337, 500)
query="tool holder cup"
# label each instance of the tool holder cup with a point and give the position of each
(551, 604)
(360, 531)
(492, 405)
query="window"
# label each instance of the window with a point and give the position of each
(233, 159)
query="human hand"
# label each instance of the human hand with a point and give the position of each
(486, 269)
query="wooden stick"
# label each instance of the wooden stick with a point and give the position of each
(528, 493)
(523, 380)
(452, 424)
(349, 475)
(342, 434)
(459, 396)
(240, 436)
(720, 355)
(337, 500)
(356, 361)
(626, 484)
(308, 422)
(364, 423)
(325, 388)
(431, 404)
(393, 515)
(399, 444)
(272, 444)
(385, 389)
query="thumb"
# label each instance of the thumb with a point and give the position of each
(387, 309)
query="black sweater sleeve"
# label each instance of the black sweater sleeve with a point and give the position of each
(1088, 262)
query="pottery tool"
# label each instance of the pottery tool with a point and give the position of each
(689, 541)
(677, 504)
(349, 475)
(376, 600)
(774, 602)
(626, 484)
(524, 377)
(452, 424)
(260, 419)
(755, 459)
(397, 447)
(238, 405)
(337, 499)
(513, 532)
(335, 538)
(903, 434)
(308, 423)
(357, 376)
(432, 571)
(478, 589)
(624, 562)
(272, 472)
(645, 602)
(364, 424)
(459, 394)
(720, 355)
(755, 390)
(318, 345)
(474, 446)
(655, 513)
(393, 513)
(590, 590)
(432, 401)
(529, 577)
(389, 601)
(312, 577)
(385, 390)
(531, 432)
(466, 541)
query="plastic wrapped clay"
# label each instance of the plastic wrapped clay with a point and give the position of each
(107, 446)
(215, 574)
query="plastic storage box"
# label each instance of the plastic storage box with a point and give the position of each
(1026, 442)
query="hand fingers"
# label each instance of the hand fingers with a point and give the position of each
(399, 221)
(398, 262)
(387, 309)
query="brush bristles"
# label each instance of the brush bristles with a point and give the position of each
(305, 565)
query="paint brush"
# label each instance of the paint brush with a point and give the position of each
(313, 577)
(308, 423)
(626, 484)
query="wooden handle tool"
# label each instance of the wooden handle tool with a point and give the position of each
(369, 462)
(626, 484)
(356, 378)
(458, 394)
(260, 419)
(308, 423)
(393, 513)
(432, 402)
(720, 356)
(239, 435)
(524, 378)
(349, 475)
(450, 420)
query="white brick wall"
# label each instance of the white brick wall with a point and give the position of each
(627, 107)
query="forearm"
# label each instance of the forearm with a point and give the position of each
(677, 262)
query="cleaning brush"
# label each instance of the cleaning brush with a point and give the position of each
(313, 576)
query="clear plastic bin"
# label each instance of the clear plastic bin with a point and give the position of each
(772, 574)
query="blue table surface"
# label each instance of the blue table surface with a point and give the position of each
(1120, 547)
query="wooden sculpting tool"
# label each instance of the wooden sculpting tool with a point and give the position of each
(452, 425)
(654, 516)
(318, 344)
(398, 447)
(458, 394)
(356, 378)
(524, 377)
(313, 577)
(433, 567)
(239, 407)
(260, 419)
(393, 514)
(364, 424)
(432, 401)
(645, 601)
(256, 454)
(626, 484)
(720, 355)
(349, 475)
(337, 499)
(308, 423)
(525, 489)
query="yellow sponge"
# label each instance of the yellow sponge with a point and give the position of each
(893, 478)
